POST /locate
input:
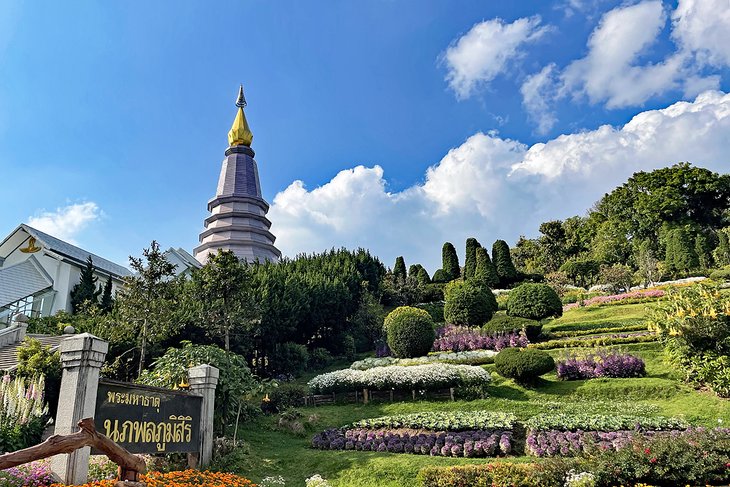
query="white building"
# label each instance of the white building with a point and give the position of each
(38, 271)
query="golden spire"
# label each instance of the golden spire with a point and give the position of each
(240, 133)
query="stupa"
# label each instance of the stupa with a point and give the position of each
(237, 220)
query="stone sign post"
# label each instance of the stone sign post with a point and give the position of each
(81, 359)
(203, 380)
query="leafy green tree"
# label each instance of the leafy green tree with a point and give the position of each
(106, 303)
(581, 271)
(703, 251)
(503, 263)
(617, 276)
(680, 256)
(649, 271)
(85, 293)
(553, 243)
(399, 270)
(470, 262)
(722, 251)
(485, 273)
(450, 262)
(527, 256)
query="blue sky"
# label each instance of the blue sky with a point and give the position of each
(113, 116)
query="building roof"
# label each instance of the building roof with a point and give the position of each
(22, 280)
(185, 257)
(73, 252)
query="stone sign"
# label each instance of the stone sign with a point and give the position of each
(146, 419)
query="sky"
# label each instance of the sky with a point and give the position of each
(390, 125)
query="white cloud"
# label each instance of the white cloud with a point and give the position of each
(537, 92)
(485, 51)
(490, 187)
(67, 222)
(703, 26)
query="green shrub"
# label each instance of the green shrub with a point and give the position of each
(524, 365)
(720, 275)
(468, 304)
(290, 358)
(440, 276)
(497, 474)
(450, 262)
(320, 358)
(436, 310)
(286, 396)
(534, 302)
(409, 331)
(349, 351)
(35, 360)
(506, 323)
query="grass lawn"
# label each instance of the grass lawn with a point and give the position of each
(275, 451)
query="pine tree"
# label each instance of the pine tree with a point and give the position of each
(485, 273)
(107, 301)
(85, 293)
(503, 263)
(470, 262)
(413, 271)
(423, 277)
(722, 252)
(450, 262)
(399, 270)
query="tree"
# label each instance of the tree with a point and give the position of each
(85, 293)
(485, 273)
(703, 251)
(618, 277)
(648, 264)
(527, 256)
(423, 277)
(553, 244)
(450, 262)
(147, 301)
(399, 269)
(468, 303)
(722, 252)
(470, 262)
(680, 255)
(581, 271)
(503, 263)
(413, 271)
(107, 300)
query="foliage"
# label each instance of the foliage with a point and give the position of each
(106, 302)
(603, 422)
(289, 358)
(180, 478)
(721, 254)
(440, 276)
(316, 481)
(366, 324)
(503, 263)
(450, 262)
(442, 421)
(23, 412)
(417, 377)
(617, 277)
(409, 332)
(581, 271)
(286, 396)
(34, 474)
(320, 358)
(559, 281)
(399, 270)
(485, 273)
(470, 261)
(35, 361)
(600, 363)
(524, 365)
(497, 474)
(423, 275)
(461, 338)
(468, 304)
(721, 275)
(633, 297)
(234, 383)
(597, 341)
(680, 256)
(472, 357)
(506, 323)
(84, 293)
(435, 309)
(534, 301)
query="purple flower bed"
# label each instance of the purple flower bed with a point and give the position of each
(470, 444)
(653, 293)
(602, 363)
(35, 474)
(462, 338)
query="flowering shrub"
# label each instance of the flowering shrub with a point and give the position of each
(603, 422)
(416, 377)
(601, 363)
(646, 294)
(582, 479)
(181, 478)
(461, 338)
(472, 357)
(443, 421)
(496, 474)
(316, 481)
(472, 443)
(22, 412)
(35, 474)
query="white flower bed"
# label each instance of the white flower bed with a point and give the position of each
(471, 357)
(415, 377)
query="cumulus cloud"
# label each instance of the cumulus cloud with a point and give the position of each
(703, 27)
(537, 92)
(490, 187)
(480, 55)
(67, 222)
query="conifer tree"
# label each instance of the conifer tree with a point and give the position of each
(413, 271)
(470, 262)
(399, 270)
(450, 262)
(440, 276)
(722, 252)
(485, 273)
(85, 293)
(423, 277)
(703, 251)
(503, 263)
(107, 301)
(680, 255)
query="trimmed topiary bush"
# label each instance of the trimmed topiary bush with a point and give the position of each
(450, 262)
(534, 302)
(410, 332)
(524, 365)
(505, 323)
(440, 276)
(468, 304)
(503, 263)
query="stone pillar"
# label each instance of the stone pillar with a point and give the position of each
(203, 380)
(81, 359)
(21, 321)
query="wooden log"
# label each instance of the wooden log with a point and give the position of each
(130, 465)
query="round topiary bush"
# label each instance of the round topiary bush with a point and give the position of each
(468, 304)
(524, 365)
(501, 323)
(534, 302)
(409, 332)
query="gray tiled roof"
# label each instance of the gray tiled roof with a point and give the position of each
(22, 280)
(76, 253)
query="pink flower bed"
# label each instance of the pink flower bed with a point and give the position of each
(651, 293)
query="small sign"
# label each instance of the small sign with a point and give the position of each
(146, 419)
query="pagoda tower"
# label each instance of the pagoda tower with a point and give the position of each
(237, 220)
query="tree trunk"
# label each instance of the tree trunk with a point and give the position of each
(143, 348)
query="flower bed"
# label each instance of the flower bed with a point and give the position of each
(473, 357)
(35, 474)
(603, 422)
(462, 338)
(395, 377)
(633, 295)
(181, 478)
(470, 444)
(601, 340)
(602, 363)
(443, 421)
